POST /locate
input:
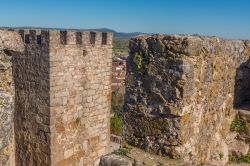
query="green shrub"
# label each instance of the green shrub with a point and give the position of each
(238, 125)
(234, 158)
(141, 61)
(117, 102)
(137, 61)
(246, 158)
(116, 125)
(122, 152)
(221, 155)
(238, 159)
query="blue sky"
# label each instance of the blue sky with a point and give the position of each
(226, 18)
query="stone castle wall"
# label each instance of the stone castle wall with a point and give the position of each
(62, 97)
(180, 93)
(32, 100)
(9, 47)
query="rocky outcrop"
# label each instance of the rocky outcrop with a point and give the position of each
(115, 160)
(181, 93)
(10, 44)
(238, 147)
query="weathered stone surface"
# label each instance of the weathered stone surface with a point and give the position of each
(6, 109)
(238, 147)
(9, 46)
(180, 95)
(245, 114)
(9, 40)
(32, 113)
(115, 160)
(141, 158)
(138, 157)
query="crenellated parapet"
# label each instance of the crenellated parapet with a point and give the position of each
(65, 37)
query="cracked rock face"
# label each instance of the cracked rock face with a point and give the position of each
(180, 93)
(10, 40)
(6, 108)
(10, 43)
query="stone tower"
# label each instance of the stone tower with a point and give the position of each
(62, 97)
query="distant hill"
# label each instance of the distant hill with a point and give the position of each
(121, 35)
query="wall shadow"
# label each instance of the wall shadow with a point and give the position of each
(242, 87)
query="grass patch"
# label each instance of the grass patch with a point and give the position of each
(116, 125)
(221, 155)
(240, 159)
(122, 152)
(117, 102)
(238, 125)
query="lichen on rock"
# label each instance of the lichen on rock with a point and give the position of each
(182, 105)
